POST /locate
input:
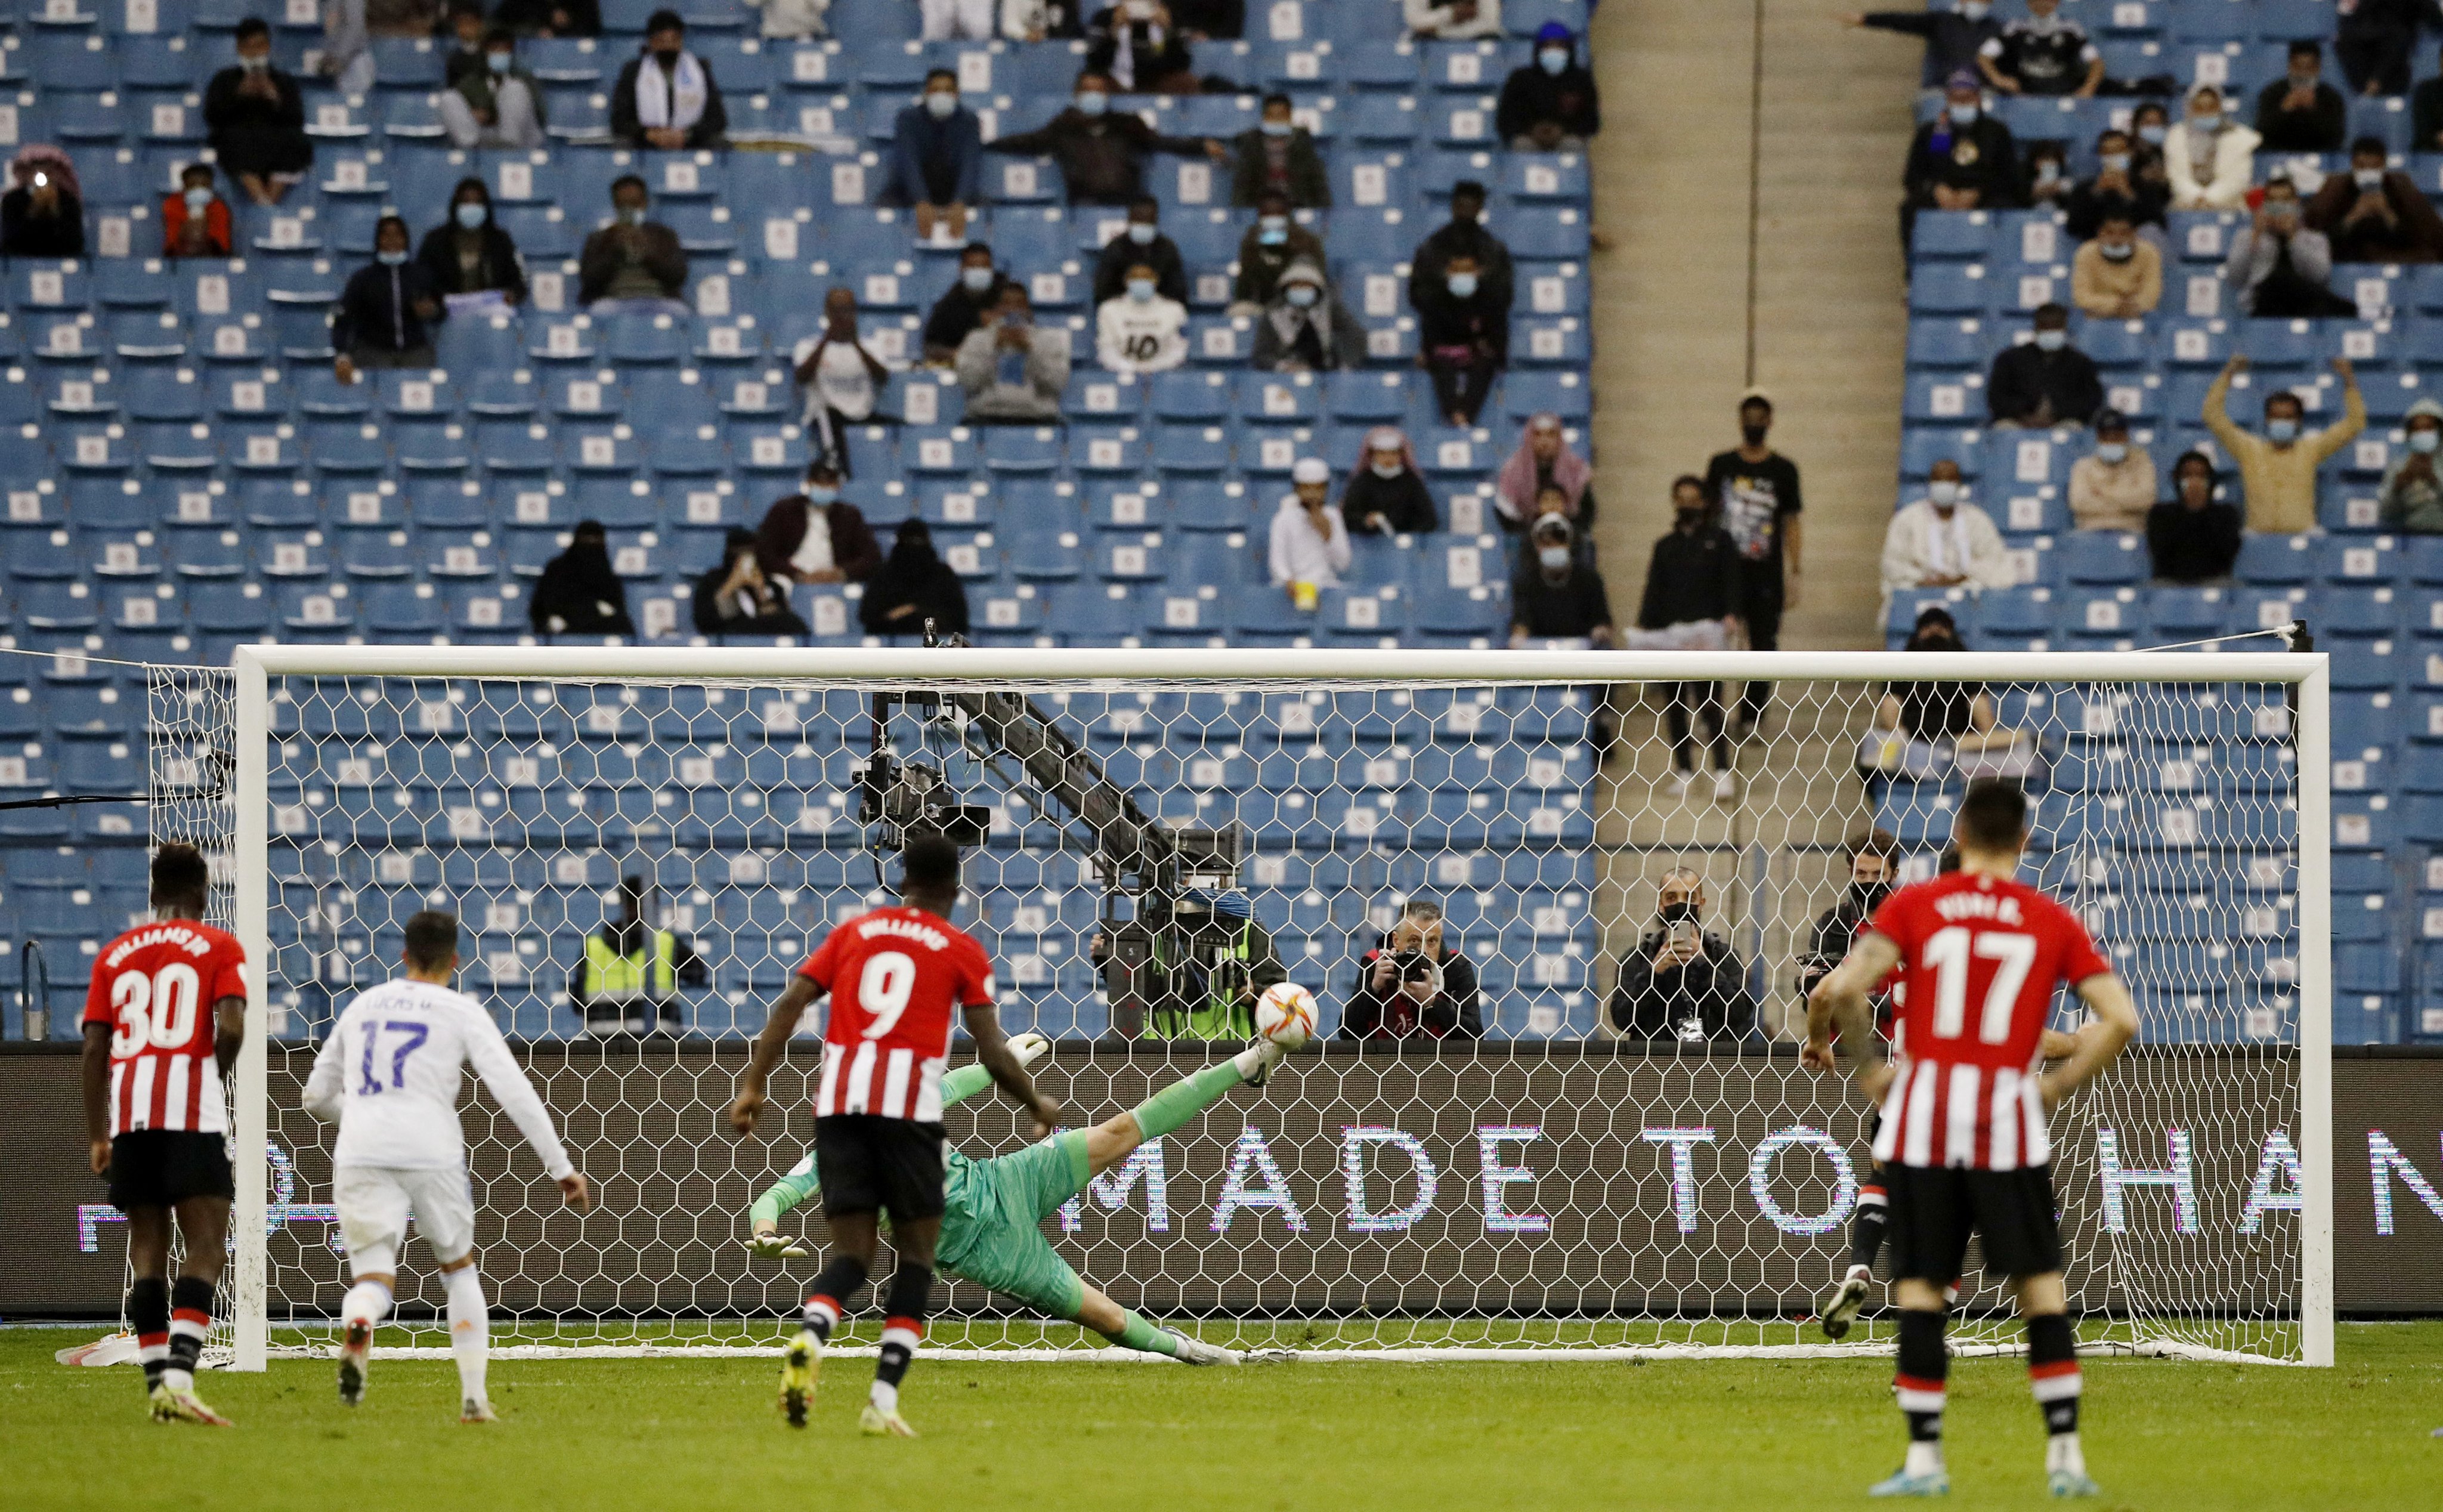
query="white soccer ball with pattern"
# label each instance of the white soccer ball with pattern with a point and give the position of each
(1286, 1014)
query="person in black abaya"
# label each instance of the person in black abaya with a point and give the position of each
(579, 594)
(913, 585)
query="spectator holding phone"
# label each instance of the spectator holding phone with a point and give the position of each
(1681, 984)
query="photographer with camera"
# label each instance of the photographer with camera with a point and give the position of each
(1410, 985)
(1681, 983)
(1195, 976)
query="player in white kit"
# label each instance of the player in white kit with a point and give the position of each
(390, 1076)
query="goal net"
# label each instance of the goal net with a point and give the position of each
(1601, 1154)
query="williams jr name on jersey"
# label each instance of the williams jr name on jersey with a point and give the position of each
(390, 1074)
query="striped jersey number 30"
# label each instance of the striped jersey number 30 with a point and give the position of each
(882, 990)
(175, 987)
(1947, 953)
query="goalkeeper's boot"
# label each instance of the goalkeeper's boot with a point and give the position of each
(2072, 1483)
(1901, 1483)
(184, 1406)
(800, 1364)
(1839, 1306)
(876, 1424)
(1197, 1351)
(476, 1409)
(354, 1351)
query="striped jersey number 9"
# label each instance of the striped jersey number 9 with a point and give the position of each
(882, 990)
(159, 1008)
(1947, 953)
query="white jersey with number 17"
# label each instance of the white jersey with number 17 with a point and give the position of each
(390, 1074)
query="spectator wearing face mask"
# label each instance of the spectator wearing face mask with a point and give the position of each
(1410, 985)
(735, 598)
(2278, 268)
(469, 259)
(1462, 341)
(633, 265)
(1101, 152)
(816, 536)
(840, 377)
(2117, 277)
(2042, 54)
(2411, 496)
(1138, 331)
(1682, 984)
(1694, 575)
(579, 594)
(1266, 251)
(2115, 188)
(1386, 495)
(1141, 242)
(495, 103)
(384, 313)
(2374, 214)
(1942, 541)
(1452, 20)
(2375, 39)
(1549, 104)
(912, 587)
(1464, 232)
(2151, 124)
(2112, 487)
(956, 20)
(1306, 328)
(666, 97)
(257, 118)
(1277, 156)
(2046, 182)
(1544, 460)
(1139, 45)
(1874, 866)
(195, 220)
(937, 155)
(2193, 537)
(1955, 38)
(1308, 549)
(2299, 112)
(1559, 596)
(43, 216)
(2211, 159)
(2044, 381)
(793, 20)
(2277, 471)
(967, 304)
(1756, 497)
(1011, 369)
(1961, 160)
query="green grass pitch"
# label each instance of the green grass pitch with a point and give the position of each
(680, 1435)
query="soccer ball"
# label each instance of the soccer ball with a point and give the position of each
(1285, 1015)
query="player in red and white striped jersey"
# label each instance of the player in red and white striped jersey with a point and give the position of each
(1962, 1125)
(893, 977)
(163, 1020)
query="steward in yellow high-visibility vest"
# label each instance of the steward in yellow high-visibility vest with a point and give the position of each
(629, 981)
(1208, 967)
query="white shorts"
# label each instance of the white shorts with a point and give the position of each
(375, 1202)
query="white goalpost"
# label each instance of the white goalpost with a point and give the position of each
(1620, 1163)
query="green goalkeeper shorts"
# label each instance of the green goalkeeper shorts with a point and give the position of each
(992, 1235)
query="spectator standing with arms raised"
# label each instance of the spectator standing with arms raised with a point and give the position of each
(1955, 38)
(2277, 470)
(1756, 497)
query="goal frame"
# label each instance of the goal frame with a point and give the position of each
(254, 666)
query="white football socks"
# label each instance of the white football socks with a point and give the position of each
(367, 1302)
(1924, 1458)
(884, 1396)
(470, 1331)
(2063, 1453)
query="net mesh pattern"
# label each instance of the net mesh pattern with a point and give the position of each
(1548, 1182)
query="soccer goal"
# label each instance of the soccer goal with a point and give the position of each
(1149, 830)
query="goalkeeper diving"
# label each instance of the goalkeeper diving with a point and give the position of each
(992, 1207)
